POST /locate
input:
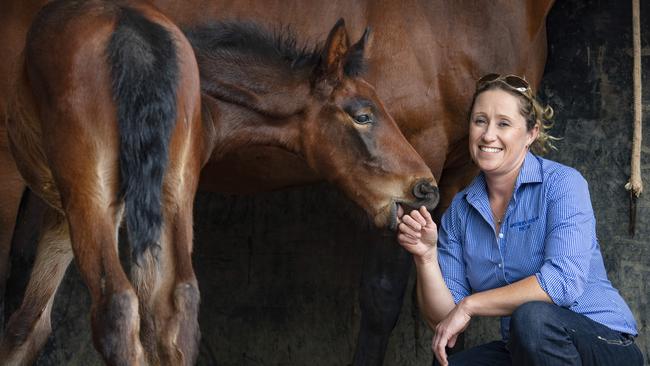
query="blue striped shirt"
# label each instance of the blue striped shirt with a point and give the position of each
(548, 230)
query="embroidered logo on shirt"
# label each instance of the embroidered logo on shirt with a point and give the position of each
(524, 225)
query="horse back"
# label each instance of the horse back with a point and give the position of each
(107, 80)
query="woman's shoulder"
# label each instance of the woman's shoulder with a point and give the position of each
(561, 181)
(555, 173)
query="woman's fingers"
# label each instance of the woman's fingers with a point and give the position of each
(411, 222)
(417, 216)
(434, 342)
(407, 230)
(439, 348)
(428, 220)
(406, 240)
(452, 341)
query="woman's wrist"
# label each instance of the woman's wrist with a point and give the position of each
(428, 258)
(467, 305)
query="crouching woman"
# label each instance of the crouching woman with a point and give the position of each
(518, 243)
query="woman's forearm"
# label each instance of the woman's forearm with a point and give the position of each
(434, 298)
(503, 301)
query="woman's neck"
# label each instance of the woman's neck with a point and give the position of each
(501, 186)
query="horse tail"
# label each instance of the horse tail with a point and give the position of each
(145, 72)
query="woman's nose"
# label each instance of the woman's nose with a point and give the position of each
(490, 132)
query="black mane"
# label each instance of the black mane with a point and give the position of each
(249, 42)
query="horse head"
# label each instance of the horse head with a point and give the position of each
(262, 90)
(354, 142)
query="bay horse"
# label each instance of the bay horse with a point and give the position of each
(119, 123)
(431, 53)
(106, 127)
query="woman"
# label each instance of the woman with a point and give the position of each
(520, 243)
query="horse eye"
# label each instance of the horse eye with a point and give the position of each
(363, 119)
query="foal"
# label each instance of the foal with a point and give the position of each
(107, 128)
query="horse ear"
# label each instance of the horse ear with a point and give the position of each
(355, 63)
(334, 54)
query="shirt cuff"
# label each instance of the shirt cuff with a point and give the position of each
(553, 287)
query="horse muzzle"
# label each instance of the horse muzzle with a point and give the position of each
(424, 194)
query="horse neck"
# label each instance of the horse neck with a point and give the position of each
(233, 127)
(267, 89)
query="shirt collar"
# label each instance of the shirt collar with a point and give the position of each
(531, 172)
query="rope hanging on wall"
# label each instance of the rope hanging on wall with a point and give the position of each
(635, 185)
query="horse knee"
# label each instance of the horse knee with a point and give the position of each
(116, 326)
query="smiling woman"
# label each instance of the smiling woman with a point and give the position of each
(519, 243)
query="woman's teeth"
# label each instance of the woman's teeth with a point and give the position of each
(490, 149)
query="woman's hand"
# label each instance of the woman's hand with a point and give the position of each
(418, 234)
(447, 331)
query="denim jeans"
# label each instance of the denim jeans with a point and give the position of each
(546, 334)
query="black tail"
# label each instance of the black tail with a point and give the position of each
(144, 69)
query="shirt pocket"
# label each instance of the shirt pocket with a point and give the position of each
(525, 247)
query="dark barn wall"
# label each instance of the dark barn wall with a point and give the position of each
(279, 271)
(589, 79)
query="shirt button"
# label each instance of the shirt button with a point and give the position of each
(501, 235)
(499, 265)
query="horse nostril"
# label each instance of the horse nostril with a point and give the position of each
(424, 190)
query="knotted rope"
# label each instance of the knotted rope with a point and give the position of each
(635, 184)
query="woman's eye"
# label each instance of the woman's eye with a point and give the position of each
(504, 123)
(479, 121)
(363, 118)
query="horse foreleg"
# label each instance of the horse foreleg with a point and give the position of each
(384, 279)
(29, 327)
(114, 311)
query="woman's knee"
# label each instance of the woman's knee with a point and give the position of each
(531, 321)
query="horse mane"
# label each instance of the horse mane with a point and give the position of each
(264, 70)
(243, 41)
(246, 41)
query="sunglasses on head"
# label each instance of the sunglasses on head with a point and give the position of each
(512, 81)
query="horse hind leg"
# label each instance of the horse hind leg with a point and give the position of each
(167, 286)
(29, 327)
(169, 298)
(183, 330)
(115, 320)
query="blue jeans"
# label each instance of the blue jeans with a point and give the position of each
(546, 334)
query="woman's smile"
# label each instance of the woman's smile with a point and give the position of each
(490, 149)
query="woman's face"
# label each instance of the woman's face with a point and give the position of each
(498, 138)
